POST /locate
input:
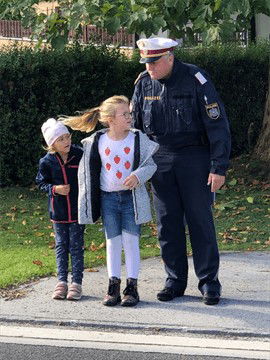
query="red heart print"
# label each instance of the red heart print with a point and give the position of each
(119, 174)
(108, 166)
(127, 165)
(126, 149)
(107, 151)
(116, 159)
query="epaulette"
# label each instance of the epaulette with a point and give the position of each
(140, 76)
(199, 74)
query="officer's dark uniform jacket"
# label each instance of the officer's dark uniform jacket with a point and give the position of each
(52, 171)
(183, 110)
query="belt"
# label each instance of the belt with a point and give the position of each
(179, 140)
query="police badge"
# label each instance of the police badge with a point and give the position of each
(213, 110)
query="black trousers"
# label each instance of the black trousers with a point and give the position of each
(180, 188)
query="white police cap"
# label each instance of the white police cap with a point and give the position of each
(153, 48)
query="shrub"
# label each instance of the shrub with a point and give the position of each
(37, 85)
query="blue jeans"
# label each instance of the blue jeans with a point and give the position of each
(69, 240)
(118, 213)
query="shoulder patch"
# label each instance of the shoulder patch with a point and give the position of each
(200, 77)
(140, 76)
(213, 111)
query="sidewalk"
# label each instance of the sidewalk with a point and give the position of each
(243, 309)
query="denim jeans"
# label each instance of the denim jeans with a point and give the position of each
(69, 240)
(118, 213)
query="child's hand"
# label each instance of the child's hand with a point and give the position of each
(62, 189)
(131, 182)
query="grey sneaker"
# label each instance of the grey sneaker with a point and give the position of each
(74, 292)
(60, 291)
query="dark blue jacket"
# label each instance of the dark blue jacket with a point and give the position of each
(52, 171)
(183, 110)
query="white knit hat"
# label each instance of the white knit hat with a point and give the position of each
(52, 129)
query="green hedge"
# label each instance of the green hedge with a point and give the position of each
(38, 85)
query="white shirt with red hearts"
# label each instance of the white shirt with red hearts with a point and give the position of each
(117, 161)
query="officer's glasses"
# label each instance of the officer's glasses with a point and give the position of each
(126, 115)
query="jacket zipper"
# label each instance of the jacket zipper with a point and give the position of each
(66, 183)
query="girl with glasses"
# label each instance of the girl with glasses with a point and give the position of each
(117, 162)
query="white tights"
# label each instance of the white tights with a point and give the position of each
(130, 243)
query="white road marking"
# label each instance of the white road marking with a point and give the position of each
(134, 342)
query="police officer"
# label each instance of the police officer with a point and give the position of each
(177, 105)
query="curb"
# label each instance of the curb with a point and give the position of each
(138, 327)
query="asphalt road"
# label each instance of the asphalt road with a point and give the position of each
(35, 352)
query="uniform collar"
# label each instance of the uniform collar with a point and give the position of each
(178, 69)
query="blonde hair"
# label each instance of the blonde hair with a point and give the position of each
(50, 149)
(88, 119)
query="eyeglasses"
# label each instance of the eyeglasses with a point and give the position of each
(126, 115)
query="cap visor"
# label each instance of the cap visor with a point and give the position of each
(149, 60)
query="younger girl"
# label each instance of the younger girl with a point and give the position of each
(57, 175)
(116, 163)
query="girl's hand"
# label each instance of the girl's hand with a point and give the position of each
(131, 182)
(62, 189)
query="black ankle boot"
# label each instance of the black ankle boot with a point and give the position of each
(131, 296)
(113, 295)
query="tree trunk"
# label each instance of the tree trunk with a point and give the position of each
(262, 148)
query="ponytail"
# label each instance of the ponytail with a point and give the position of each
(85, 122)
(88, 119)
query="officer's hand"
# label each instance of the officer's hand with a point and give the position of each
(131, 181)
(62, 189)
(216, 181)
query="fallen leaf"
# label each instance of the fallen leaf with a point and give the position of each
(38, 263)
(13, 294)
(91, 270)
(51, 245)
(102, 245)
(242, 208)
(93, 246)
(39, 234)
(233, 182)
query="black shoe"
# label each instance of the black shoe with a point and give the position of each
(131, 296)
(113, 297)
(168, 293)
(211, 298)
